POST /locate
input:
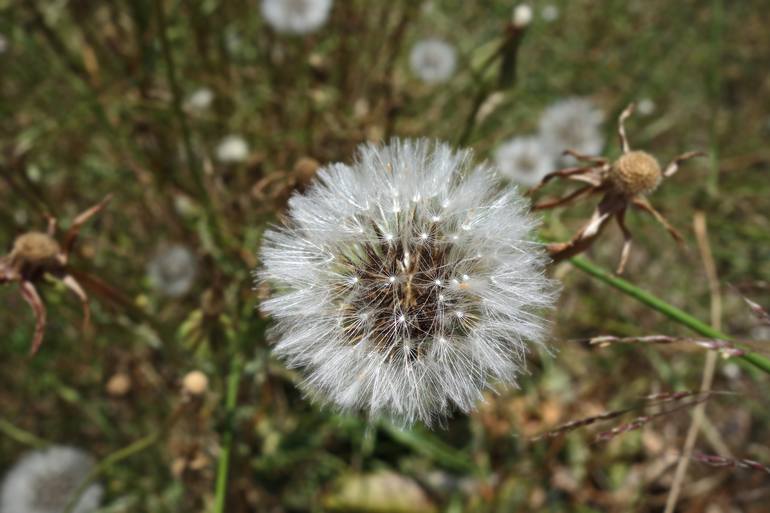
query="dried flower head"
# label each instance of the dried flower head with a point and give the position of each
(43, 482)
(172, 270)
(433, 60)
(406, 283)
(524, 160)
(36, 255)
(195, 382)
(232, 149)
(573, 123)
(296, 16)
(623, 183)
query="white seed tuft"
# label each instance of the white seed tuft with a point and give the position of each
(572, 124)
(172, 270)
(524, 160)
(433, 60)
(296, 16)
(430, 324)
(43, 481)
(232, 149)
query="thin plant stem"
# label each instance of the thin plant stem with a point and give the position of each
(223, 466)
(19, 435)
(699, 413)
(666, 309)
(114, 458)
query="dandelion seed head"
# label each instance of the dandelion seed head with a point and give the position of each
(524, 160)
(522, 15)
(430, 323)
(646, 107)
(636, 172)
(433, 60)
(296, 16)
(43, 481)
(232, 149)
(172, 270)
(200, 99)
(550, 13)
(573, 123)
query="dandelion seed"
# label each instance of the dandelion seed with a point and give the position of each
(433, 60)
(452, 342)
(574, 123)
(524, 160)
(232, 149)
(172, 270)
(43, 482)
(200, 99)
(296, 16)
(522, 15)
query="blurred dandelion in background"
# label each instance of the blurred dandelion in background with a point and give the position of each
(172, 270)
(200, 99)
(296, 16)
(572, 124)
(433, 60)
(646, 107)
(550, 13)
(524, 160)
(522, 15)
(43, 482)
(232, 149)
(406, 283)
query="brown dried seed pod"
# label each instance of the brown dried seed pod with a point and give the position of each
(34, 250)
(636, 172)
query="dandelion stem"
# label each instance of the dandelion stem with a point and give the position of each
(668, 310)
(23, 437)
(116, 457)
(233, 380)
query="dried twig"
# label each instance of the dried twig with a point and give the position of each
(725, 347)
(715, 460)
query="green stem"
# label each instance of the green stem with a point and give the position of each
(109, 461)
(666, 309)
(231, 399)
(21, 436)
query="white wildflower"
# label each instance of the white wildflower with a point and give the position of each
(550, 13)
(296, 16)
(200, 99)
(232, 149)
(172, 270)
(43, 482)
(524, 160)
(433, 60)
(646, 107)
(406, 283)
(574, 124)
(522, 15)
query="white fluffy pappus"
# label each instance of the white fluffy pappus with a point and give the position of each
(43, 482)
(433, 60)
(296, 16)
(172, 270)
(524, 160)
(572, 124)
(200, 99)
(232, 149)
(407, 283)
